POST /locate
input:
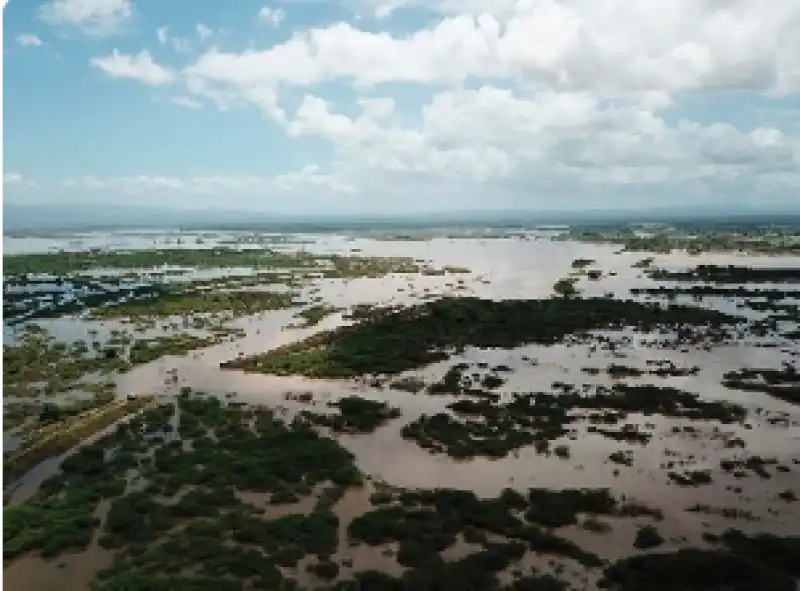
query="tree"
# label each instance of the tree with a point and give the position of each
(565, 287)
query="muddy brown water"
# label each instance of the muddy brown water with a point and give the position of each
(504, 268)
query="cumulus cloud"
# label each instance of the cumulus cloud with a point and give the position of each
(512, 99)
(28, 40)
(571, 45)
(139, 67)
(95, 17)
(547, 143)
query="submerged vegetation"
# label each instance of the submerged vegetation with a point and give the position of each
(356, 415)
(730, 274)
(748, 238)
(59, 436)
(63, 263)
(747, 563)
(315, 314)
(186, 490)
(485, 428)
(38, 365)
(783, 383)
(190, 508)
(396, 339)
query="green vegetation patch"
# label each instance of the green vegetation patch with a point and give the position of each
(486, 428)
(783, 383)
(759, 563)
(39, 365)
(180, 302)
(61, 435)
(356, 415)
(730, 274)
(750, 238)
(176, 517)
(315, 314)
(392, 340)
(425, 522)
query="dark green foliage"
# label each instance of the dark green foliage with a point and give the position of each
(50, 524)
(695, 570)
(429, 521)
(556, 508)
(325, 570)
(647, 537)
(691, 477)
(782, 553)
(731, 274)
(356, 415)
(393, 340)
(783, 383)
(531, 419)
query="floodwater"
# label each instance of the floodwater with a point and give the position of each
(503, 269)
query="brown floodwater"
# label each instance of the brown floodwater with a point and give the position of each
(501, 269)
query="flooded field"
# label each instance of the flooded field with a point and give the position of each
(684, 444)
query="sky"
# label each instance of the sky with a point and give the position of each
(311, 106)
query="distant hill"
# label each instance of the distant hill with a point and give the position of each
(85, 217)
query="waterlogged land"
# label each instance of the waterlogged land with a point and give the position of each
(496, 409)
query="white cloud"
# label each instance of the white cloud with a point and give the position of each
(139, 67)
(95, 17)
(609, 47)
(310, 176)
(186, 102)
(87, 182)
(569, 141)
(203, 32)
(524, 100)
(271, 16)
(196, 185)
(12, 178)
(28, 40)
(17, 180)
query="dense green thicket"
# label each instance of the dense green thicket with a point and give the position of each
(428, 521)
(747, 563)
(356, 415)
(394, 340)
(188, 516)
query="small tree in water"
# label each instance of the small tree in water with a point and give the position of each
(565, 287)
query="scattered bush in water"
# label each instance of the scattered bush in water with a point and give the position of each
(427, 521)
(781, 383)
(315, 314)
(531, 419)
(647, 537)
(356, 415)
(691, 477)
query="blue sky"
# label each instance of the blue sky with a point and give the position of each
(402, 105)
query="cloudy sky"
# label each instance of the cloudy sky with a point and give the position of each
(403, 105)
